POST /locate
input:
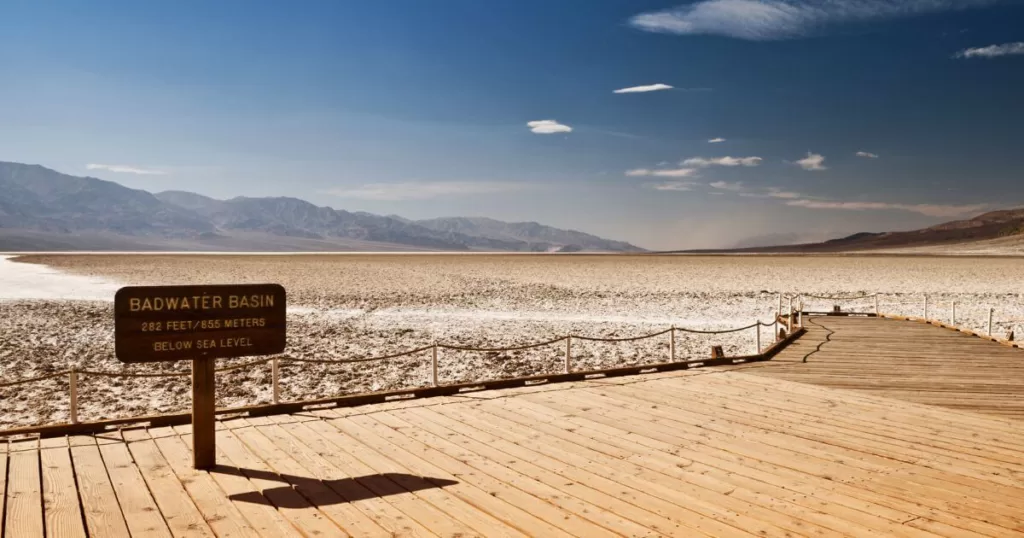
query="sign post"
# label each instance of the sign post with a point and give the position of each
(201, 324)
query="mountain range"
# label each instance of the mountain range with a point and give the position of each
(42, 209)
(999, 230)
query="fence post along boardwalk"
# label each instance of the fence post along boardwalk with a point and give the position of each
(201, 324)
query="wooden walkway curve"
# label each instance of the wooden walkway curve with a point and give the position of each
(723, 451)
(906, 360)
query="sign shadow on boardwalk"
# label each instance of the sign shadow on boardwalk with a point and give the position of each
(318, 492)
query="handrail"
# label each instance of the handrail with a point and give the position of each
(74, 373)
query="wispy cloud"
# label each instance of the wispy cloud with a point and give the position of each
(673, 186)
(787, 195)
(726, 186)
(812, 162)
(867, 155)
(126, 169)
(412, 190)
(992, 51)
(763, 20)
(931, 210)
(673, 172)
(716, 141)
(643, 89)
(548, 127)
(722, 161)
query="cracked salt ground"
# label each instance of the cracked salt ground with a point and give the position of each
(352, 306)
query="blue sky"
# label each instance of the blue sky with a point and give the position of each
(423, 108)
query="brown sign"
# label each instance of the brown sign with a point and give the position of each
(169, 323)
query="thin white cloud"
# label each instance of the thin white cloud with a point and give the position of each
(643, 89)
(125, 169)
(931, 210)
(672, 172)
(726, 186)
(722, 161)
(992, 51)
(674, 186)
(548, 127)
(812, 162)
(716, 141)
(787, 195)
(412, 190)
(763, 20)
(867, 155)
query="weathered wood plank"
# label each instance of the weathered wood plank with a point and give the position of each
(60, 496)
(24, 492)
(179, 511)
(140, 510)
(99, 502)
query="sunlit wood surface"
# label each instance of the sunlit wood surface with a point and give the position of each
(731, 451)
(909, 361)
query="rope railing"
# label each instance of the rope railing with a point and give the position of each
(956, 313)
(74, 373)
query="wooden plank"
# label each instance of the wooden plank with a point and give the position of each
(863, 444)
(257, 510)
(664, 483)
(552, 521)
(285, 455)
(911, 361)
(990, 510)
(359, 463)
(295, 508)
(60, 494)
(222, 516)
(179, 511)
(613, 507)
(99, 502)
(560, 510)
(3, 483)
(140, 511)
(834, 513)
(401, 463)
(396, 446)
(24, 492)
(813, 485)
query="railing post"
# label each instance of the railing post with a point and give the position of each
(672, 344)
(433, 364)
(780, 305)
(568, 353)
(73, 390)
(789, 320)
(758, 337)
(990, 312)
(275, 379)
(926, 307)
(952, 313)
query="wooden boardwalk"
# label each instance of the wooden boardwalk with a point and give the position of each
(730, 451)
(911, 361)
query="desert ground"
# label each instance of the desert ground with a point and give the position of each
(56, 312)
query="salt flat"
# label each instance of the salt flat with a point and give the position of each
(56, 313)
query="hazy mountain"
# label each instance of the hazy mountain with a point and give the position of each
(983, 228)
(41, 208)
(780, 239)
(539, 236)
(37, 198)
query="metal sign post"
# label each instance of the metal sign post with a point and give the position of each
(201, 324)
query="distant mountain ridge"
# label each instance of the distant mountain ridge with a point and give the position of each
(42, 206)
(985, 227)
